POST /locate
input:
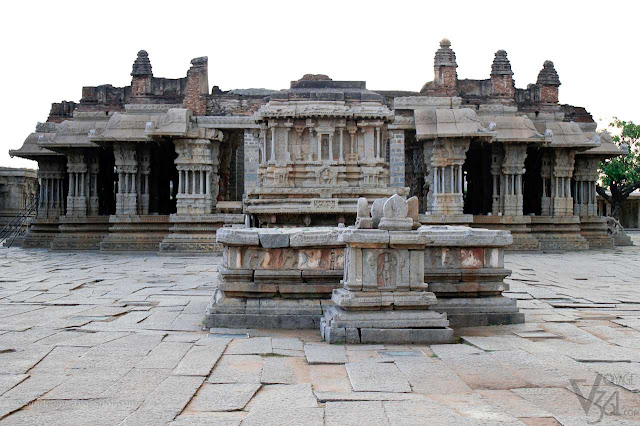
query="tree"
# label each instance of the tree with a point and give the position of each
(621, 174)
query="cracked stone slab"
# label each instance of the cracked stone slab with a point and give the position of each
(250, 346)
(427, 377)
(355, 413)
(223, 397)
(167, 401)
(209, 419)
(165, 355)
(285, 370)
(376, 377)
(237, 369)
(318, 353)
(9, 381)
(199, 360)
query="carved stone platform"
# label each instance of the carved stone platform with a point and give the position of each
(81, 233)
(196, 233)
(275, 278)
(594, 230)
(41, 233)
(384, 298)
(558, 233)
(518, 226)
(135, 233)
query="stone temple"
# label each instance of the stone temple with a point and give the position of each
(162, 164)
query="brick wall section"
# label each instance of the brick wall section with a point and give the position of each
(197, 86)
(251, 144)
(140, 85)
(194, 100)
(396, 158)
(549, 94)
(502, 85)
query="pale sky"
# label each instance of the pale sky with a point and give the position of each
(52, 49)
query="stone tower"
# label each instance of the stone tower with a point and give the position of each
(141, 75)
(502, 84)
(548, 82)
(444, 68)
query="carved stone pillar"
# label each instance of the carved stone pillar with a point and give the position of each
(562, 202)
(126, 161)
(139, 187)
(92, 185)
(197, 165)
(444, 159)
(396, 157)
(586, 176)
(76, 199)
(546, 171)
(497, 158)
(50, 174)
(513, 169)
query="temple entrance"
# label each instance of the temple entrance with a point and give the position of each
(231, 167)
(532, 182)
(107, 183)
(414, 170)
(163, 179)
(478, 197)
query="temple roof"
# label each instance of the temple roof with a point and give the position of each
(512, 128)
(75, 133)
(443, 123)
(606, 147)
(30, 147)
(566, 135)
(326, 90)
(130, 126)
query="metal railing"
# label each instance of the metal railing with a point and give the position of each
(16, 225)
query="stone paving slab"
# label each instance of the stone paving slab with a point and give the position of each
(88, 338)
(376, 377)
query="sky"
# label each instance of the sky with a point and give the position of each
(51, 49)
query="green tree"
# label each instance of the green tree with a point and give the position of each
(621, 175)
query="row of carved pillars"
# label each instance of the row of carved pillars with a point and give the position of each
(51, 197)
(194, 182)
(267, 144)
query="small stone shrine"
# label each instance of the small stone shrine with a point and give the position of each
(387, 278)
(384, 298)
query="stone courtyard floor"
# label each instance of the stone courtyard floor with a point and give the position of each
(102, 339)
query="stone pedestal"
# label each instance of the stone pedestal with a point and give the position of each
(384, 298)
(275, 278)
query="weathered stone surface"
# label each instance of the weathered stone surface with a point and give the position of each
(167, 401)
(237, 369)
(318, 353)
(376, 377)
(199, 360)
(223, 397)
(353, 413)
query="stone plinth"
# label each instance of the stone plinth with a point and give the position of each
(465, 270)
(384, 298)
(81, 233)
(275, 278)
(41, 232)
(518, 226)
(594, 230)
(136, 233)
(555, 233)
(196, 233)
